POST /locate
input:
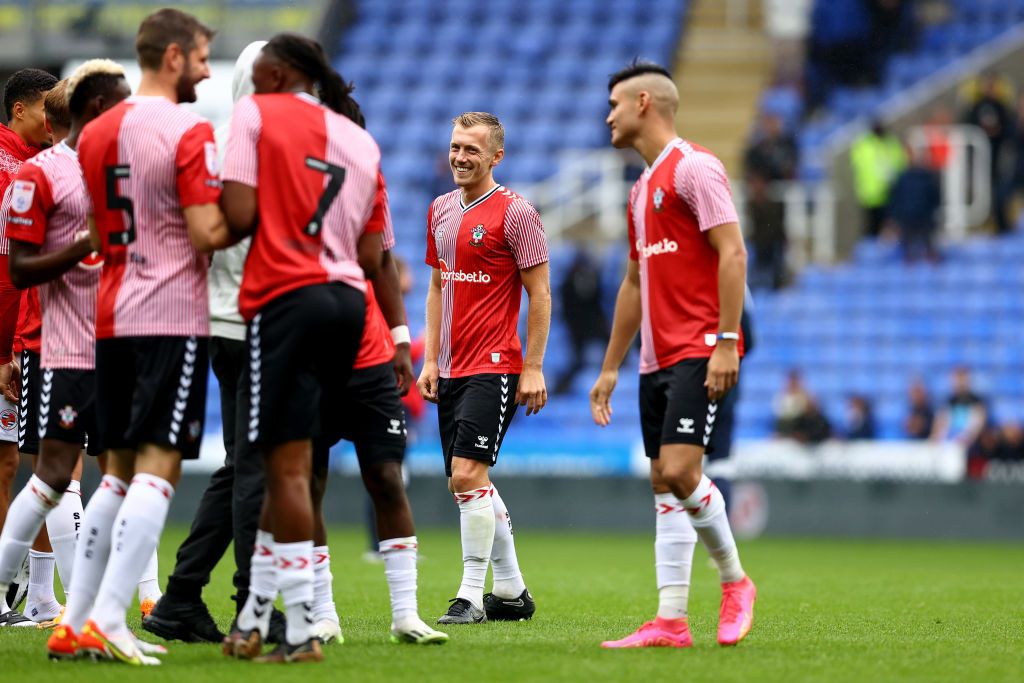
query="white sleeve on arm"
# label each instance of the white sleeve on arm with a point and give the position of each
(241, 162)
(701, 182)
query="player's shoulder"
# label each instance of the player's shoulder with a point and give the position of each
(516, 205)
(696, 158)
(448, 200)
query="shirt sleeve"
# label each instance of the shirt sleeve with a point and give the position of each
(241, 162)
(197, 166)
(524, 234)
(380, 216)
(30, 202)
(431, 259)
(701, 182)
(634, 255)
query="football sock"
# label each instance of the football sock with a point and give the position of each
(707, 514)
(92, 553)
(149, 580)
(476, 520)
(323, 585)
(295, 581)
(674, 541)
(25, 517)
(41, 604)
(62, 526)
(255, 613)
(137, 527)
(400, 569)
(508, 579)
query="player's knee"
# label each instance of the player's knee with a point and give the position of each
(468, 475)
(53, 475)
(318, 485)
(384, 482)
(681, 477)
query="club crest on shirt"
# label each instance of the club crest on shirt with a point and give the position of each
(476, 235)
(659, 198)
(67, 416)
(21, 196)
(212, 165)
(8, 419)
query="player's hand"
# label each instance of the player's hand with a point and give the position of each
(10, 379)
(531, 391)
(427, 383)
(403, 368)
(601, 397)
(723, 370)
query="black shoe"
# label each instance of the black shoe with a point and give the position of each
(510, 609)
(278, 626)
(184, 620)
(462, 611)
(284, 653)
(14, 619)
(18, 588)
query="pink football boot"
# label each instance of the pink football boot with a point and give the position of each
(737, 613)
(657, 633)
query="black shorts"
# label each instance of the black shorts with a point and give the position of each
(28, 409)
(473, 414)
(674, 407)
(67, 407)
(151, 390)
(300, 344)
(368, 413)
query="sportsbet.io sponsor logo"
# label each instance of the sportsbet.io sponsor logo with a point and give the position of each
(449, 275)
(665, 246)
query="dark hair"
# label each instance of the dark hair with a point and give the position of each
(306, 55)
(166, 27)
(92, 86)
(634, 69)
(26, 86)
(56, 106)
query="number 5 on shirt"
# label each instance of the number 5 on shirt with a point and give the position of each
(116, 201)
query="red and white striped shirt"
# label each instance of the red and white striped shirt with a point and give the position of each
(480, 250)
(49, 206)
(317, 176)
(145, 160)
(682, 195)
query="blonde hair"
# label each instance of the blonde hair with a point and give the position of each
(93, 67)
(495, 131)
(56, 106)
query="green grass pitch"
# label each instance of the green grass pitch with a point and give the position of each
(828, 610)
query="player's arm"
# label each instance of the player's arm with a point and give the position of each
(207, 228)
(531, 391)
(29, 268)
(427, 383)
(724, 364)
(238, 203)
(369, 253)
(389, 297)
(625, 325)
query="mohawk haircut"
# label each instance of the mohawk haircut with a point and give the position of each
(56, 106)
(637, 68)
(26, 86)
(92, 78)
(495, 131)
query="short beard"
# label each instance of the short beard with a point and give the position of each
(185, 88)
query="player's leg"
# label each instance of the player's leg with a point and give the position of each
(63, 524)
(470, 484)
(326, 624)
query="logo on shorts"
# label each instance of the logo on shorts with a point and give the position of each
(477, 235)
(685, 426)
(481, 442)
(195, 430)
(659, 199)
(8, 419)
(67, 416)
(396, 427)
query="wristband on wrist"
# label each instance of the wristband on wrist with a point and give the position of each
(400, 334)
(734, 336)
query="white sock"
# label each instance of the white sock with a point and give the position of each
(476, 519)
(149, 580)
(707, 514)
(41, 604)
(295, 581)
(323, 585)
(400, 569)
(62, 525)
(674, 541)
(508, 579)
(92, 553)
(255, 613)
(25, 518)
(138, 526)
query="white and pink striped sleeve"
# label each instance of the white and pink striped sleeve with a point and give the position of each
(5, 210)
(525, 234)
(241, 161)
(701, 182)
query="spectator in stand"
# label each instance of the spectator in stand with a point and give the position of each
(1011, 443)
(767, 220)
(964, 416)
(1014, 181)
(990, 113)
(790, 404)
(582, 310)
(838, 52)
(920, 415)
(913, 208)
(936, 131)
(772, 153)
(860, 419)
(812, 427)
(877, 158)
(787, 23)
(892, 31)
